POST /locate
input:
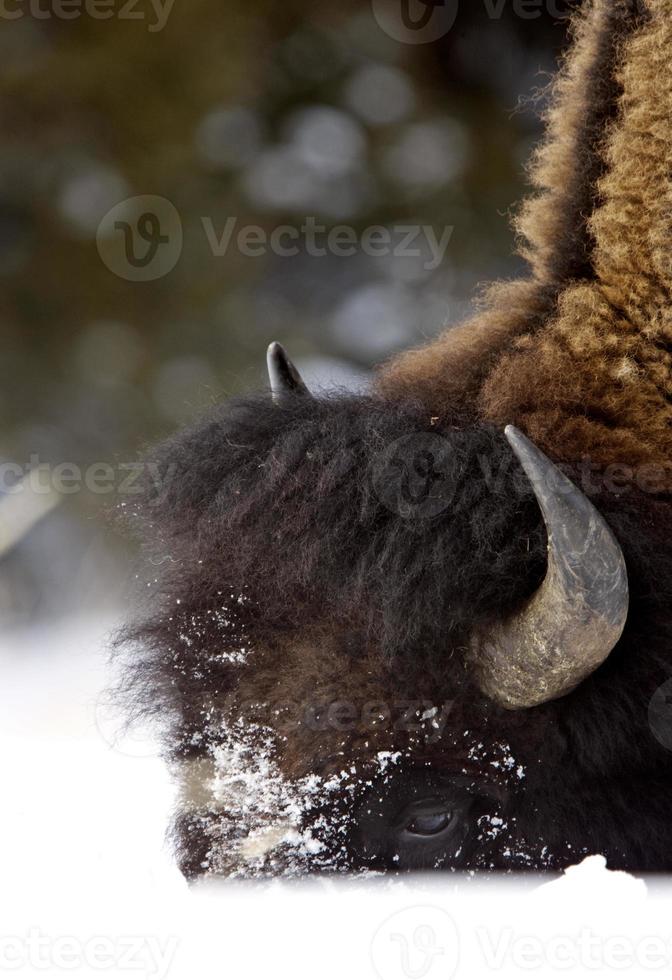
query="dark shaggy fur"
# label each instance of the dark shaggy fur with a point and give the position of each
(290, 569)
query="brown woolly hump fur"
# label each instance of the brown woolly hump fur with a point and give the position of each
(314, 570)
(578, 355)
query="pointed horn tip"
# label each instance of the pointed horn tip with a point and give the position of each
(535, 463)
(283, 375)
(515, 437)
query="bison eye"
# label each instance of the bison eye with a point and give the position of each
(429, 817)
(429, 824)
(417, 821)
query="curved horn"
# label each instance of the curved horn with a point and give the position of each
(576, 617)
(285, 379)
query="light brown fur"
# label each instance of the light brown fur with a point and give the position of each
(578, 355)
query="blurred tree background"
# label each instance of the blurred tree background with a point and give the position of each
(264, 111)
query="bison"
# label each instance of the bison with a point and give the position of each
(430, 626)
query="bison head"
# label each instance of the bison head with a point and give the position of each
(383, 640)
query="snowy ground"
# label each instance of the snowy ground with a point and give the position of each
(87, 888)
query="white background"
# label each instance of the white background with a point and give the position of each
(88, 889)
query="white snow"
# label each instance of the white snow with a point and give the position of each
(87, 888)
